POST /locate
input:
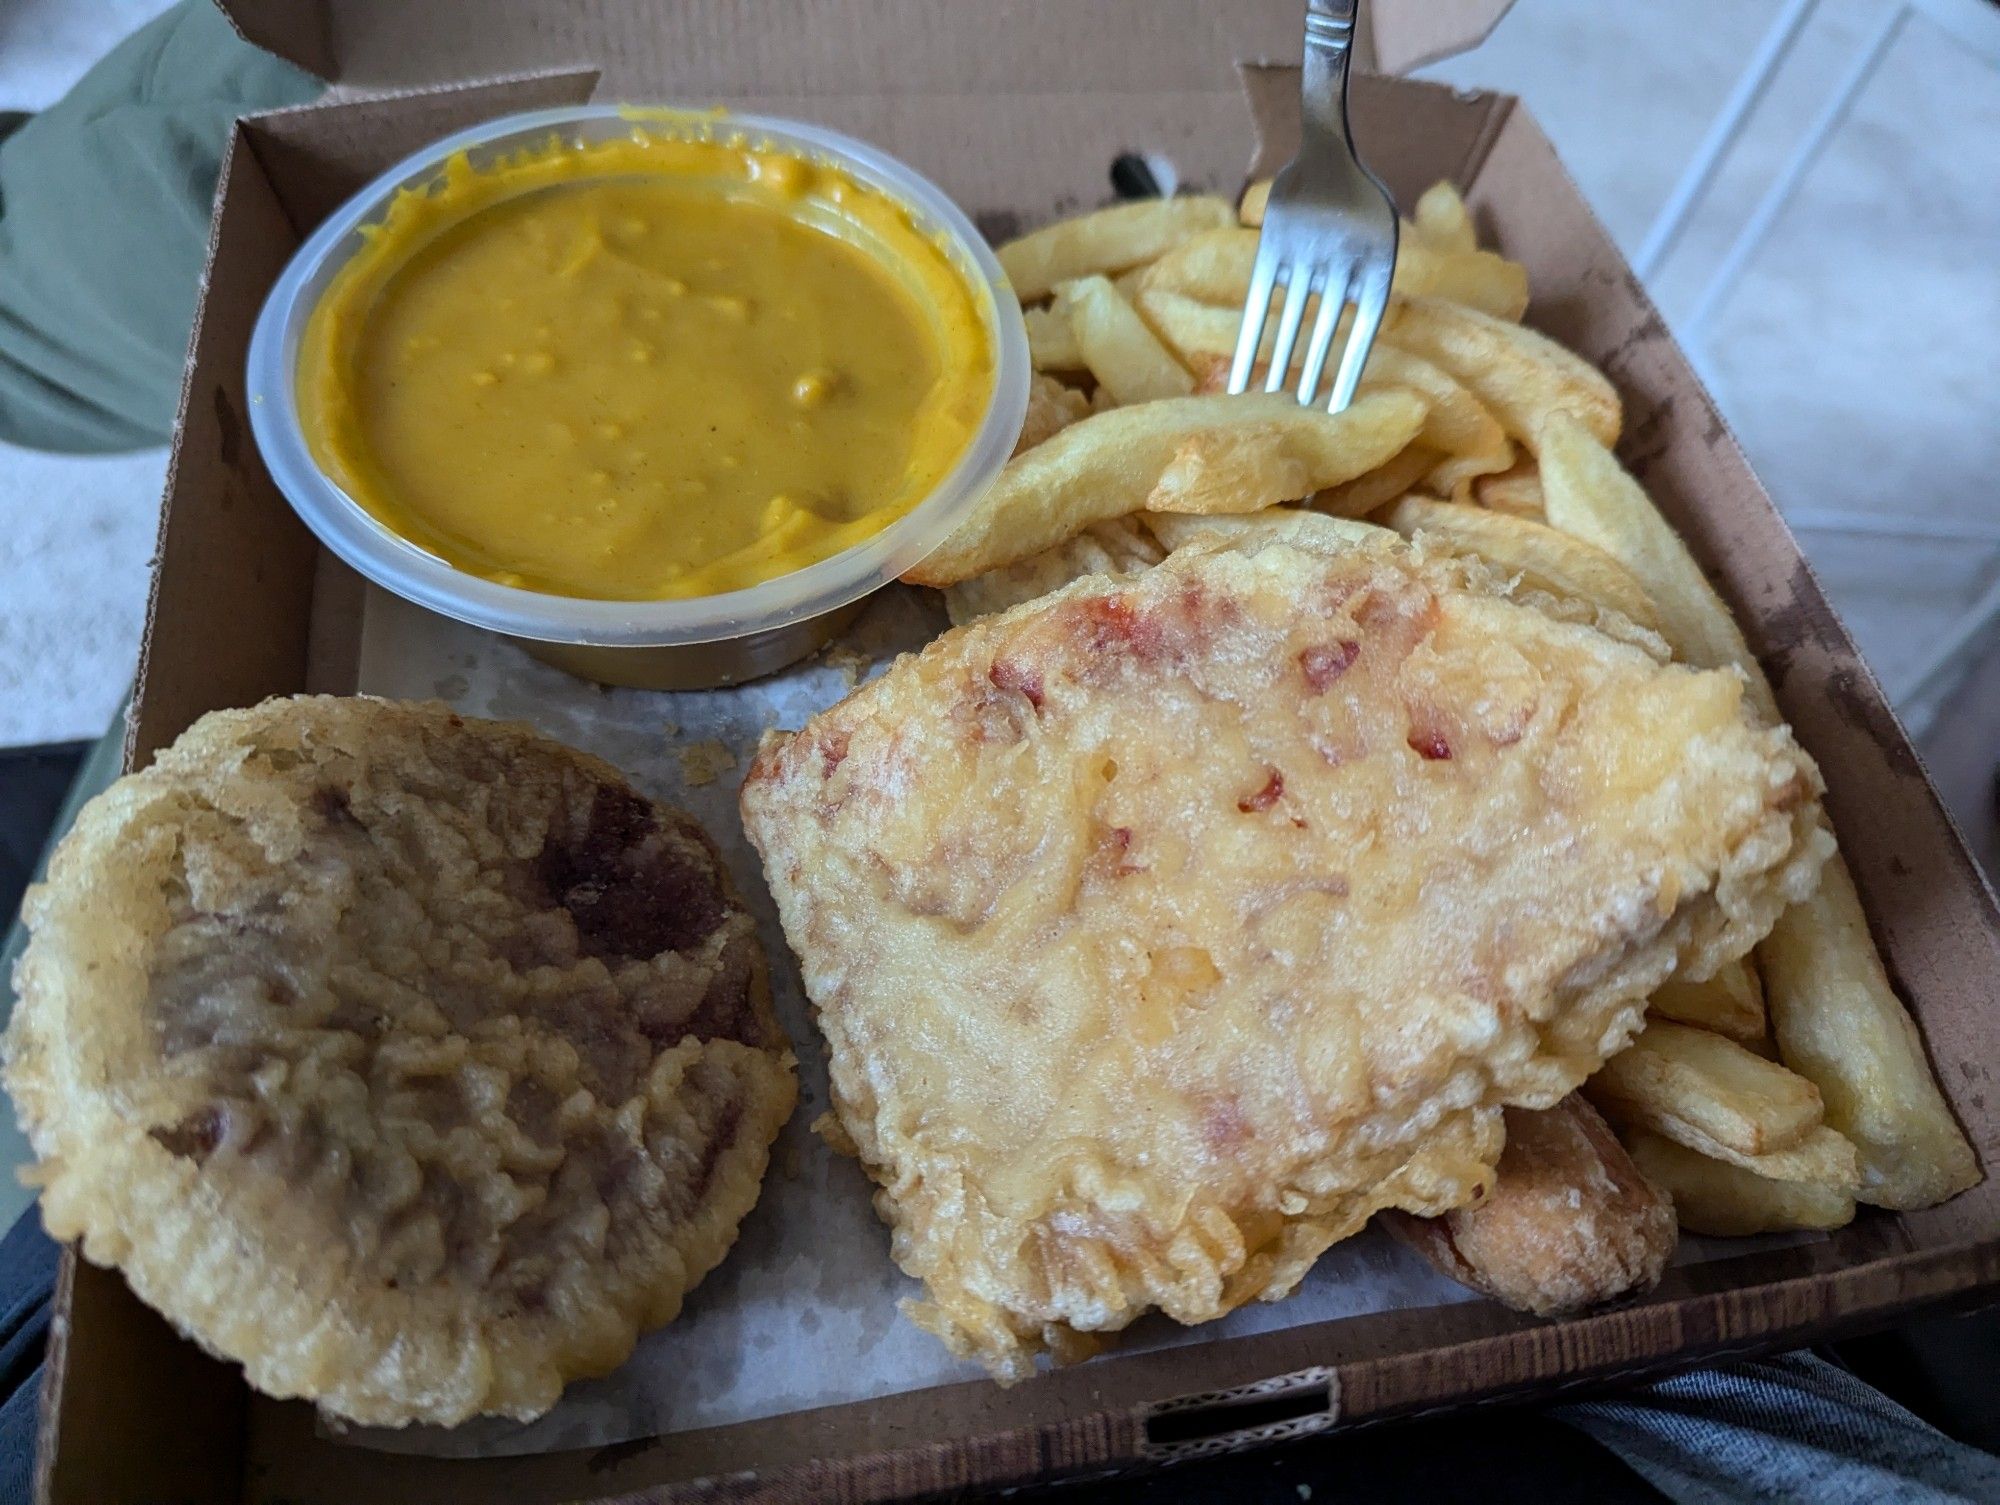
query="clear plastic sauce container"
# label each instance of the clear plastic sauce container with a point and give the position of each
(683, 643)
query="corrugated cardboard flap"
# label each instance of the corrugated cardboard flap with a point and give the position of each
(839, 46)
(1397, 38)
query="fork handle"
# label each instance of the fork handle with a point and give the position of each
(1323, 84)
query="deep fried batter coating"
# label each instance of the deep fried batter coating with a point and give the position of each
(1164, 929)
(1119, 547)
(1052, 407)
(417, 1063)
(1570, 1223)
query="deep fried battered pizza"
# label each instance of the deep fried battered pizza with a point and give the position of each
(1568, 1224)
(416, 1063)
(1162, 929)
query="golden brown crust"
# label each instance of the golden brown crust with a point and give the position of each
(415, 1062)
(1164, 929)
(1119, 547)
(1569, 1222)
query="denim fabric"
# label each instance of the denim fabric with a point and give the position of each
(27, 1286)
(1792, 1427)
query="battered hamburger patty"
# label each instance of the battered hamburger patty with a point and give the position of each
(417, 1063)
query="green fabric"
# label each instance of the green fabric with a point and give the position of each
(94, 775)
(104, 204)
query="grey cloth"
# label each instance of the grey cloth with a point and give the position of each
(1788, 1428)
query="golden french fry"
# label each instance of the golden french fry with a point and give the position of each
(1441, 218)
(1294, 525)
(1199, 333)
(1051, 342)
(1825, 1157)
(1196, 332)
(1588, 494)
(1214, 267)
(1390, 480)
(1726, 1201)
(1455, 476)
(1231, 454)
(1523, 377)
(1517, 490)
(1542, 557)
(1101, 400)
(1127, 282)
(1684, 1082)
(1730, 1003)
(1110, 240)
(1476, 279)
(1121, 546)
(1457, 425)
(1250, 210)
(1052, 407)
(1837, 1021)
(1118, 349)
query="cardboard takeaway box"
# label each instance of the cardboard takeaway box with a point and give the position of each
(1016, 107)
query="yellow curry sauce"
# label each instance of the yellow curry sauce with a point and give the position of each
(643, 368)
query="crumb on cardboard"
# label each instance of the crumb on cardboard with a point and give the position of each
(851, 662)
(704, 762)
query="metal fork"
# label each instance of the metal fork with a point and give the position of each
(1329, 228)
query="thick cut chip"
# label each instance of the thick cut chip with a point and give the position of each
(1117, 348)
(1727, 1201)
(1199, 333)
(1180, 454)
(1051, 342)
(1674, 1076)
(415, 1063)
(1388, 482)
(1543, 557)
(1590, 495)
(1215, 267)
(1517, 490)
(1109, 240)
(1520, 375)
(1456, 424)
(1164, 929)
(1730, 1003)
(1441, 218)
(1836, 1019)
(1250, 208)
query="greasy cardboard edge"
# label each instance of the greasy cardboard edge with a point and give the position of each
(138, 1414)
(1095, 1420)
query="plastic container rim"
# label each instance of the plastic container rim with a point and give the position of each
(396, 564)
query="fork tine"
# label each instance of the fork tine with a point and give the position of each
(1371, 300)
(1256, 309)
(1297, 285)
(1332, 299)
